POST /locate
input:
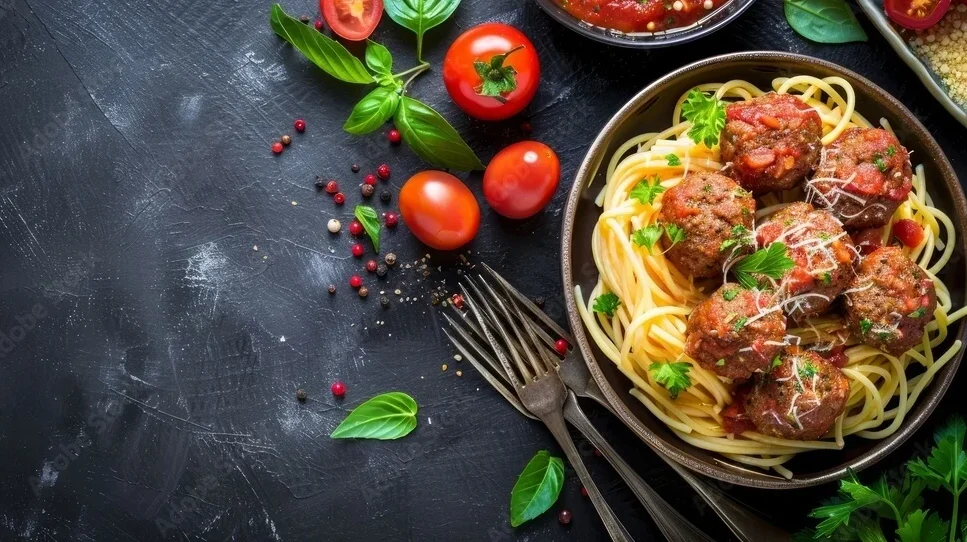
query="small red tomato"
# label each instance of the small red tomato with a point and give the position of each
(439, 209)
(354, 20)
(521, 179)
(511, 74)
(908, 232)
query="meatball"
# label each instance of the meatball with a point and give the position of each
(822, 252)
(863, 177)
(890, 301)
(799, 399)
(733, 333)
(771, 142)
(708, 207)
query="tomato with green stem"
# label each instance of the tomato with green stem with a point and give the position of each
(439, 210)
(353, 20)
(521, 179)
(492, 71)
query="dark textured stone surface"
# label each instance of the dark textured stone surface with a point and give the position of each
(155, 395)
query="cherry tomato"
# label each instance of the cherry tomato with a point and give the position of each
(354, 20)
(439, 210)
(916, 14)
(491, 71)
(908, 232)
(521, 179)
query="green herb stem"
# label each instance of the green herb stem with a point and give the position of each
(419, 68)
(413, 73)
(954, 518)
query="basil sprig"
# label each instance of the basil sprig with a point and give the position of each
(537, 488)
(370, 220)
(423, 129)
(824, 21)
(385, 417)
(420, 16)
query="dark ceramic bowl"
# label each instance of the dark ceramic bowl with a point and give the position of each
(648, 40)
(650, 111)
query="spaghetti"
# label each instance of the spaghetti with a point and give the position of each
(649, 324)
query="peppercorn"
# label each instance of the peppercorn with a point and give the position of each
(383, 171)
(318, 25)
(367, 190)
(369, 179)
(338, 389)
(355, 281)
(385, 196)
(392, 219)
(300, 125)
(371, 266)
(381, 270)
(561, 346)
(334, 225)
(355, 168)
(332, 187)
(339, 198)
(355, 227)
(390, 259)
(286, 139)
(394, 136)
(564, 517)
(320, 184)
(304, 19)
(384, 301)
(363, 291)
(277, 147)
(301, 394)
(358, 250)
(457, 301)
(332, 288)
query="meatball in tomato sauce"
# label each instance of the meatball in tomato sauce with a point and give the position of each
(823, 256)
(735, 332)
(799, 399)
(863, 177)
(890, 301)
(771, 142)
(708, 207)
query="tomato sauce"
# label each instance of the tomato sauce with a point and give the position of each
(641, 15)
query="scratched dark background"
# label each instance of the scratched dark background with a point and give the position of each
(152, 393)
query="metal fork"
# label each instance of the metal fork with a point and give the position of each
(574, 373)
(540, 389)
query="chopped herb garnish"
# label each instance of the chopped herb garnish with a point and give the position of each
(879, 163)
(647, 190)
(673, 159)
(808, 370)
(607, 304)
(827, 278)
(890, 151)
(771, 261)
(707, 115)
(730, 294)
(673, 376)
(865, 326)
(919, 313)
(740, 236)
(776, 361)
(676, 234)
(720, 363)
(647, 236)
(739, 324)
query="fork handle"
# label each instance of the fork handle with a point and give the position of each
(555, 422)
(671, 523)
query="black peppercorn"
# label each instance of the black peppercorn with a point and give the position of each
(367, 190)
(304, 19)
(301, 394)
(355, 168)
(381, 270)
(390, 259)
(332, 288)
(385, 196)
(363, 291)
(384, 301)
(320, 182)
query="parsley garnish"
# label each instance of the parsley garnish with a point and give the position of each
(890, 151)
(827, 278)
(676, 234)
(879, 163)
(673, 159)
(646, 192)
(606, 304)
(730, 294)
(707, 115)
(776, 361)
(647, 236)
(770, 261)
(918, 313)
(808, 370)
(740, 236)
(865, 325)
(739, 324)
(720, 363)
(672, 376)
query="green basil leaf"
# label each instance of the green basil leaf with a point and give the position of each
(420, 16)
(824, 21)
(321, 50)
(385, 417)
(372, 111)
(537, 488)
(370, 220)
(378, 58)
(432, 138)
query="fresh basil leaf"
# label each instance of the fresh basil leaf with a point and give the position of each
(432, 138)
(824, 21)
(321, 50)
(537, 488)
(384, 417)
(420, 16)
(378, 58)
(370, 220)
(372, 111)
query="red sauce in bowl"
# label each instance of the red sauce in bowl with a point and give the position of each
(641, 15)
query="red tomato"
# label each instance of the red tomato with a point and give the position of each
(868, 240)
(734, 419)
(916, 14)
(439, 210)
(837, 356)
(354, 20)
(521, 179)
(508, 76)
(908, 232)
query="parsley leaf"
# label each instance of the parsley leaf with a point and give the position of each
(771, 261)
(920, 526)
(647, 236)
(827, 278)
(947, 464)
(730, 294)
(676, 234)
(739, 324)
(646, 192)
(673, 376)
(879, 163)
(720, 363)
(891, 151)
(919, 313)
(606, 304)
(673, 159)
(740, 236)
(865, 325)
(808, 370)
(707, 115)
(776, 361)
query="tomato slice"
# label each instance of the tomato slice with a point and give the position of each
(354, 20)
(916, 14)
